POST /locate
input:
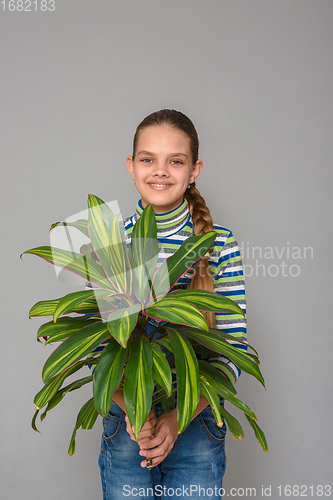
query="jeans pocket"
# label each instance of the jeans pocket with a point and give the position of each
(113, 424)
(212, 430)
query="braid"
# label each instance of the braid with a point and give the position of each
(202, 220)
(202, 223)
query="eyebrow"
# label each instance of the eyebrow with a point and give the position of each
(152, 154)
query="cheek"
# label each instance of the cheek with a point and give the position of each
(186, 178)
(138, 174)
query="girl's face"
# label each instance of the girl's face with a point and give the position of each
(162, 167)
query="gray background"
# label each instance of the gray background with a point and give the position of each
(255, 76)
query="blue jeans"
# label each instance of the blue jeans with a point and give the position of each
(194, 468)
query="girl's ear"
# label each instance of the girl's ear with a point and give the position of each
(130, 166)
(196, 170)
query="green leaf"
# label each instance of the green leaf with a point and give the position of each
(187, 378)
(208, 301)
(212, 397)
(100, 220)
(161, 369)
(52, 386)
(43, 308)
(108, 375)
(225, 335)
(122, 323)
(217, 343)
(236, 402)
(47, 308)
(190, 251)
(138, 385)
(33, 422)
(118, 259)
(85, 419)
(78, 264)
(74, 348)
(62, 329)
(144, 252)
(165, 342)
(144, 246)
(258, 433)
(58, 397)
(223, 387)
(202, 351)
(80, 224)
(214, 377)
(232, 423)
(223, 368)
(71, 301)
(176, 311)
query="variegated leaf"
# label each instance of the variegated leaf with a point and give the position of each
(74, 262)
(86, 418)
(108, 375)
(75, 348)
(175, 266)
(53, 385)
(176, 311)
(232, 423)
(122, 323)
(217, 343)
(80, 224)
(258, 434)
(208, 301)
(138, 385)
(212, 397)
(161, 368)
(69, 302)
(187, 378)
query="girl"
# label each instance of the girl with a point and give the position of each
(164, 166)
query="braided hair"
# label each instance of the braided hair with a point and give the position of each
(201, 218)
(202, 223)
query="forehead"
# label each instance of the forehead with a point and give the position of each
(163, 138)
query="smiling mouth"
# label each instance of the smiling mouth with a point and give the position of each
(156, 185)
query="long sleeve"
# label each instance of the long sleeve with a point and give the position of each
(228, 280)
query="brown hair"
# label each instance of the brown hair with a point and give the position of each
(202, 220)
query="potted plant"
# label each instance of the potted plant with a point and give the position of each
(129, 288)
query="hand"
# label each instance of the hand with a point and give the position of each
(147, 431)
(166, 433)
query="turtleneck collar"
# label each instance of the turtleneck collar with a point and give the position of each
(169, 223)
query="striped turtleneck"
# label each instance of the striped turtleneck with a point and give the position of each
(170, 222)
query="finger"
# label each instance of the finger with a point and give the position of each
(160, 451)
(144, 440)
(149, 424)
(129, 430)
(145, 435)
(151, 414)
(151, 464)
(152, 443)
(131, 434)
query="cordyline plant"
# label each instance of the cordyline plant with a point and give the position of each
(129, 287)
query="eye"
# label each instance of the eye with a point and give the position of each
(146, 160)
(177, 162)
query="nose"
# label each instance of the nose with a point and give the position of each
(160, 169)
